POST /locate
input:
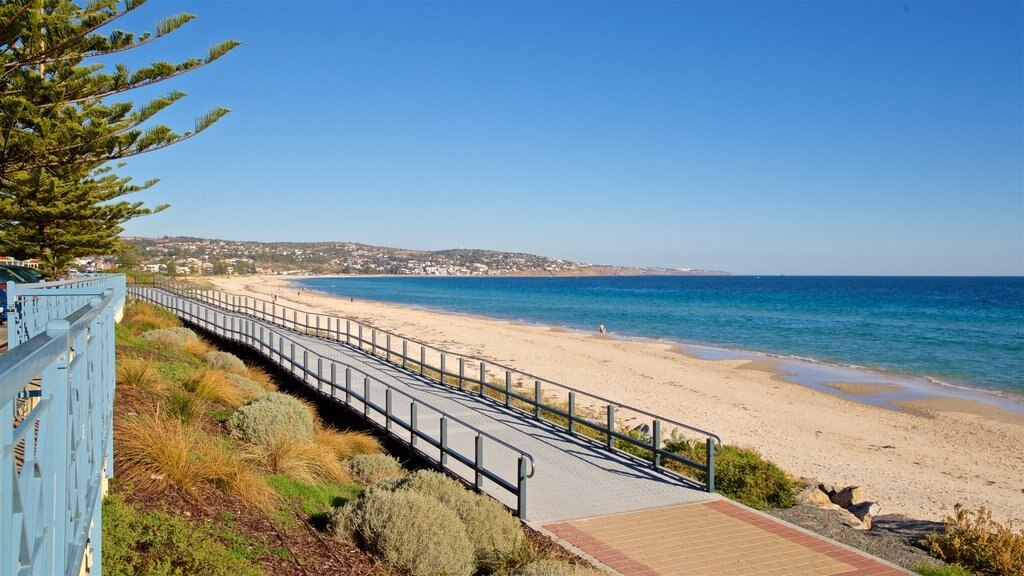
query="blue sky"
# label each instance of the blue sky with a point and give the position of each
(757, 138)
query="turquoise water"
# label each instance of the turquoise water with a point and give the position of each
(953, 330)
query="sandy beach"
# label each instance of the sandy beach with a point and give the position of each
(919, 461)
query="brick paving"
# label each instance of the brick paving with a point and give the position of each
(717, 538)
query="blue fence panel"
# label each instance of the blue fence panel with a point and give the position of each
(57, 390)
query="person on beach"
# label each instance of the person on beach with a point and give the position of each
(600, 328)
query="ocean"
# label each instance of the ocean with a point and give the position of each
(958, 331)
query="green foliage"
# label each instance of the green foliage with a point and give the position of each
(224, 361)
(269, 416)
(316, 500)
(491, 528)
(407, 530)
(58, 195)
(184, 407)
(373, 468)
(741, 474)
(161, 545)
(951, 570)
(977, 542)
(249, 388)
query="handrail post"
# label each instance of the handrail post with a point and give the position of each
(348, 332)
(373, 341)
(572, 412)
(348, 386)
(366, 397)
(536, 399)
(521, 497)
(508, 388)
(317, 325)
(423, 363)
(656, 444)
(334, 379)
(483, 377)
(412, 424)
(462, 372)
(405, 353)
(291, 359)
(388, 343)
(305, 366)
(319, 374)
(360, 337)
(443, 460)
(710, 454)
(387, 409)
(479, 463)
(611, 426)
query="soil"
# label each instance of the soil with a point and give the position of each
(892, 537)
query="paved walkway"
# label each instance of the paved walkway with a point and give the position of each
(629, 517)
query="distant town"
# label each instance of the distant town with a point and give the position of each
(198, 256)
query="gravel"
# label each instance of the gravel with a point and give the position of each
(891, 537)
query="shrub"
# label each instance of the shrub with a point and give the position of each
(975, 541)
(407, 530)
(373, 468)
(165, 338)
(346, 444)
(304, 461)
(155, 543)
(249, 388)
(557, 568)
(741, 474)
(490, 527)
(213, 386)
(272, 415)
(137, 373)
(225, 361)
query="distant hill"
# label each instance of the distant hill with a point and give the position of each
(202, 255)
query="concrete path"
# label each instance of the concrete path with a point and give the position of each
(612, 507)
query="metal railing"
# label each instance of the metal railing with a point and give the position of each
(425, 429)
(619, 427)
(57, 393)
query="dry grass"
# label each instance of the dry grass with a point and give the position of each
(346, 444)
(304, 461)
(158, 452)
(257, 374)
(148, 317)
(198, 347)
(138, 373)
(975, 541)
(214, 386)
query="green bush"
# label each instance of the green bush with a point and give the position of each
(740, 474)
(161, 545)
(407, 530)
(975, 541)
(272, 415)
(374, 468)
(224, 361)
(491, 528)
(556, 568)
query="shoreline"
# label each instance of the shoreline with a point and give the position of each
(871, 386)
(830, 435)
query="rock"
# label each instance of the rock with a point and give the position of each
(849, 496)
(865, 511)
(843, 516)
(814, 496)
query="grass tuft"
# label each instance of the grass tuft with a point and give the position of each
(213, 386)
(137, 373)
(346, 444)
(975, 541)
(304, 461)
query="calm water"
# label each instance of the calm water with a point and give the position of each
(961, 331)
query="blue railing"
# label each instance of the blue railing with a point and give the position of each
(57, 393)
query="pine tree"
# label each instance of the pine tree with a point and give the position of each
(59, 197)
